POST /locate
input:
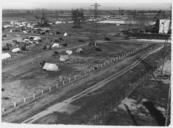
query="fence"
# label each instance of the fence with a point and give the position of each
(69, 81)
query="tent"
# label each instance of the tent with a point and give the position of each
(50, 67)
(5, 56)
(15, 50)
(36, 42)
(79, 50)
(27, 41)
(55, 45)
(58, 22)
(69, 52)
(37, 38)
(65, 34)
(25, 32)
(63, 58)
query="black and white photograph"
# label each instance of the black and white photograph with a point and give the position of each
(86, 63)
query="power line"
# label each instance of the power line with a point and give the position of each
(96, 5)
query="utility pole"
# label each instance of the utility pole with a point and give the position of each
(96, 5)
(119, 12)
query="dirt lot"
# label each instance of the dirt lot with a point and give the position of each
(22, 76)
(103, 107)
(27, 78)
(22, 83)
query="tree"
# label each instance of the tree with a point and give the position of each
(77, 17)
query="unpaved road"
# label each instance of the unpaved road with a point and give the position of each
(58, 106)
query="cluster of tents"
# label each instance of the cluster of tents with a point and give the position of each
(18, 45)
(21, 44)
(53, 66)
(62, 58)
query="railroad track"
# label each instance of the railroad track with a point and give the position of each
(89, 90)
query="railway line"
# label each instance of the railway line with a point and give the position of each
(60, 105)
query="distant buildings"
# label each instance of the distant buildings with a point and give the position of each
(164, 26)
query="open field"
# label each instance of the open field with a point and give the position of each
(25, 84)
(96, 74)
(105, 101)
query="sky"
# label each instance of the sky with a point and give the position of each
(85, 4)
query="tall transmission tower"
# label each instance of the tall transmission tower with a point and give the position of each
(96, 5)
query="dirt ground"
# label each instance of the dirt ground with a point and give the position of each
(21, 83)
(103, 107)
(22, 76)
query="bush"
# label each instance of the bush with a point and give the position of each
(55, 53)
(65, 44)
(80, 40)
(107, 39)
(98, 49)
(23, 48)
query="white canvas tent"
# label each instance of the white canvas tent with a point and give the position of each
(37, 38)
(69, 52)
(65, 34)
(56, 45)
(15, 50)
(58, 22)
(50, 67)
(5, 56)
(63, 58)
(25, 32)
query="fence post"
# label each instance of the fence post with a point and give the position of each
(34, 96)
(42, 91)
(74, 77)
(3, 109)
(56, 85)
(14, 104)
(69, 79)
(50, 89)
(24, 99)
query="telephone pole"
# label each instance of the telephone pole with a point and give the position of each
(96, 5)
